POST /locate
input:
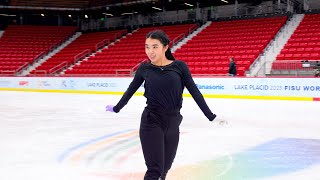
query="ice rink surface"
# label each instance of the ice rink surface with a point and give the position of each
(56, 136)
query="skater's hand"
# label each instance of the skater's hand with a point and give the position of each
(222, 121)
(109, 108)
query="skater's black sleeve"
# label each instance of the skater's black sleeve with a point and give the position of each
(133, 87)
(195, 93)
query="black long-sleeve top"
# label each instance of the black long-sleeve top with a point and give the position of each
(164, 87)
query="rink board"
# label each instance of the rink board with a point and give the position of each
(305, 89)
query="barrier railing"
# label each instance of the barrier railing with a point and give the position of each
(7, 72)
(37, 72)
(14, 72)
(193, 28)
(39, 56)
(102, 43)
(123, 72)
(293, 67)
(21, 68)
(136, 67)
(81, 55)
(121, 33)
(58, 67)
(177, 39)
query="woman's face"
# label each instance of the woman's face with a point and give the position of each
(155, 50)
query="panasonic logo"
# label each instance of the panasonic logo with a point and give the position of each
(214, 87)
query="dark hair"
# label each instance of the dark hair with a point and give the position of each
(163, 38)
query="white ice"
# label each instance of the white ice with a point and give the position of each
(37, 128)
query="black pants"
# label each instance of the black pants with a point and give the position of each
(159, 136)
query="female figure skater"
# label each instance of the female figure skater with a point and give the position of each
(165, 79)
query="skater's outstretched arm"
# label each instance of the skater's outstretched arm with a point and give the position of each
(195, 93)
(133, 87)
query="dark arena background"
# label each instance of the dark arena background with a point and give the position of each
(63, 61)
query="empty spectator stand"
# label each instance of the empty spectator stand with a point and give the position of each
(124, 56)
(20, 46)
(303, 45)
(83, 46)
(209, 51)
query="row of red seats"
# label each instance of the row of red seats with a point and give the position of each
(132, 45)
(301, 49)
(302, 44)
(299, 56)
